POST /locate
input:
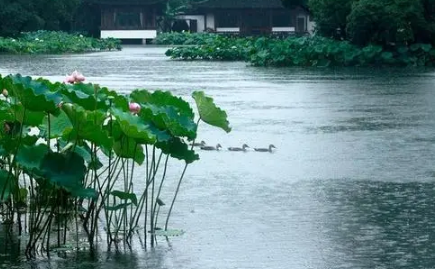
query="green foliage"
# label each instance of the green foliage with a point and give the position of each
(44, 42)
(210, 113)
(331, 16)
(386, 22)
(184, 38)
(306, 51)
(77, 124)
(30, 15)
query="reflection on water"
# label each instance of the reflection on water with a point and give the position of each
(350, 186)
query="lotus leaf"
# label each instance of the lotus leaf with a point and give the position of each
(176, 148)
(209, 112)
(125, 196)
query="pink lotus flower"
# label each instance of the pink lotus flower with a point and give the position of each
(134, 108)
(5, 93)
(75, 77)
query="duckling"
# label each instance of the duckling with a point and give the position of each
(243, 148)
(201, 144)
(218, 146)
(264, 149)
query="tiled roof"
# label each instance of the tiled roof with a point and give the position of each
(241, 4)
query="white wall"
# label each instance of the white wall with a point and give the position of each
(199, 18)
(129, 34)
(210, 21)
(228, 29)
(283, 29)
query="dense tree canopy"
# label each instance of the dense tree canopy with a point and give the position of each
(383, 22)
(28, 15)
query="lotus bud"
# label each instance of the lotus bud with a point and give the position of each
(75, 77)
(5, 93)
(69, 79)
(80, 78)
(60, 104)
(134, 108)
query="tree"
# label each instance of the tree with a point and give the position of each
(331, 16)
(29, 15)
(389, 23)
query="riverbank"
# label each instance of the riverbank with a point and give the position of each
(48, 42)
(296, 51)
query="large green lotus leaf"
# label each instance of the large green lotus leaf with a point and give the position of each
(86, 96)
(5, 185)
(125, 196)
(6, 113)
(34, 95)
(15, 112)
(161, 135)
(176, 148)
(168, 118)
(209, 112)
(10, 143)
(163, 98)
(30, 157)
(133, 126)
(64, 170)
(28, 117)
(128, 148)
(87, 125)
(93, 133)
(60, 125)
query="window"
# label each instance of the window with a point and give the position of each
(126, 20)
(281, 19)
(227, 19)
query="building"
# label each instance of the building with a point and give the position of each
(137, 19)
(129, 19)
(248, 17)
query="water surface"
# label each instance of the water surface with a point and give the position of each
(351, 184)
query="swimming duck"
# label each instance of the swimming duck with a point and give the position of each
(201, 144)
(218, 146)
(264, 149)
(243, 148)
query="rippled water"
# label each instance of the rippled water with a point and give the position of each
(351, 184)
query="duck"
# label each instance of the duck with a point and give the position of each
(218, 146)
(243, 148)
(201, 144)
(265, 149)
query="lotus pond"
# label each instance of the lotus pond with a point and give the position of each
(350, 185)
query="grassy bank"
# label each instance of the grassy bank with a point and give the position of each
(299, 51)
(46, 42)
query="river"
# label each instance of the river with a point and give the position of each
(351, 184)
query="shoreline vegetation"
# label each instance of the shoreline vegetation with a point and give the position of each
(72, 177)
(293, 51)
(54, 42)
